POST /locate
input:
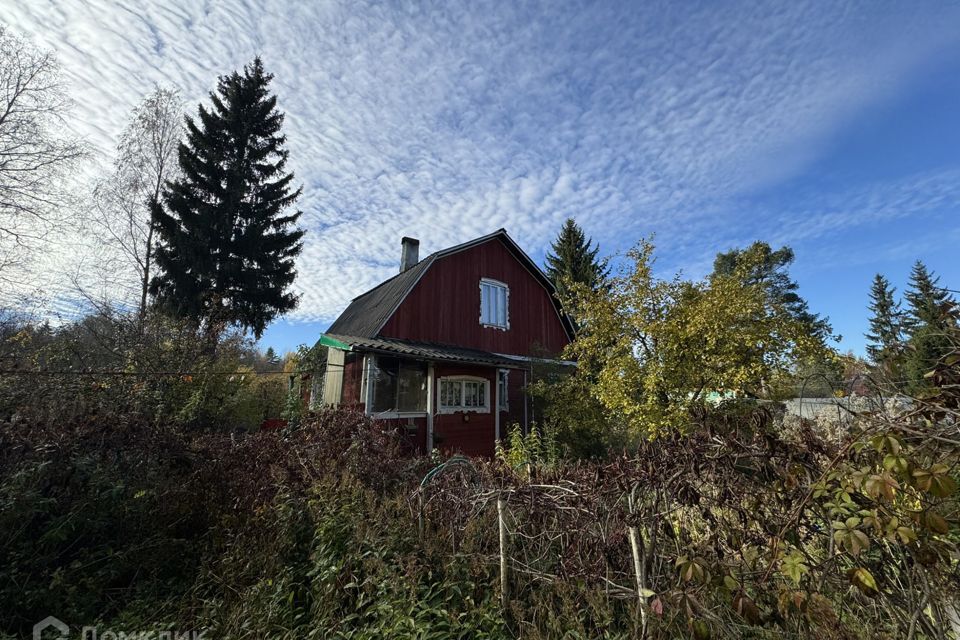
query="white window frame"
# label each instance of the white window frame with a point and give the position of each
(366, 390)
(503, 395)
(506, 301)
(485, 408)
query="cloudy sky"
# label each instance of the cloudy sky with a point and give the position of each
(830, 126)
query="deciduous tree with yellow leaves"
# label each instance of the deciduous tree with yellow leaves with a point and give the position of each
(654, 348)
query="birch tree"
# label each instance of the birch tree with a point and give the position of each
(146, 159)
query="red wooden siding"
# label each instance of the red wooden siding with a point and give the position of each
(352, 379)
(444, 307)
(413, 433)
(470, 433)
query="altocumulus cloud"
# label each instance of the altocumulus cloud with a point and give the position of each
(449, 120)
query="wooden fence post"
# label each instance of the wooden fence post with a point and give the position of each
(638, 568)
(504, 578)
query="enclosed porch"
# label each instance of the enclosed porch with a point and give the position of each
(453, 399)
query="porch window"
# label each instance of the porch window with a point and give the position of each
(464, 394)
(398, 386)
(503, 403)
(494, 301)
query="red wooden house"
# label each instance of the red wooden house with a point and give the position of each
(445, 348)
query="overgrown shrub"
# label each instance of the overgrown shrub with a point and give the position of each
(581, 425)
(731, 530)
(101, 520)
(537, 447)
(109, 366)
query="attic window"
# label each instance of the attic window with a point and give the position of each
(494, 301)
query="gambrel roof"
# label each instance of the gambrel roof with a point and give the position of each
(366, 314)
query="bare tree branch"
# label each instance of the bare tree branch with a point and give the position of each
(36, 158)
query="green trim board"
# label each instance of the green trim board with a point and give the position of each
(327, 341)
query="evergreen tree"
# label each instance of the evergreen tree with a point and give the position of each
(928, 303)
(886, 324)
(769, 269)
(926, 347)
(571, 258)
(227, 239)
(931, 313)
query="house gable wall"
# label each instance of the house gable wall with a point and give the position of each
(444, 306)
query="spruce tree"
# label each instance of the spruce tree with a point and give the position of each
(572, 259)
(928, 303)
(886, 324)
(931, 314)
(227, 237)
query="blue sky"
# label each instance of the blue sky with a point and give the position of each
(833, 127)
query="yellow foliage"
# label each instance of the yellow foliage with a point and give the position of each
(654, 348)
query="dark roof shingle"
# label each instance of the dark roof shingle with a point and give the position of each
(368, 312)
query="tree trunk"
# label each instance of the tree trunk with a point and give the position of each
(145, 280)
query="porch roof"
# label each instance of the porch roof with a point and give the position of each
(427, 351)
